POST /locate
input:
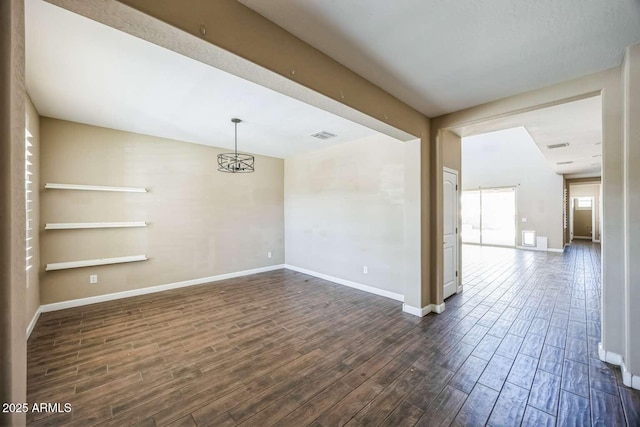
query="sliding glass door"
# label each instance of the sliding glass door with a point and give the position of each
(471, 209)
(489, 216)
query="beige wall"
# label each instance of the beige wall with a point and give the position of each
(344, 208)
(589, 190)
(13, 322)
(33, 276)
(201, 222)
(451, 151)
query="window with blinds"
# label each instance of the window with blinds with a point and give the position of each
(27, 189)
(564, 208)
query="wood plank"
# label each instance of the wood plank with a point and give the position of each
(444, 408)
(477, 408)
(285, 348)
(510, 406)
(574, 410)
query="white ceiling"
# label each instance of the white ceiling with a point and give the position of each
(578, 123)
(86, 72)
(442, 56)
(504, 158)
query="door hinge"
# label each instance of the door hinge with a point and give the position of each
(456, 274)
(456, 187)
(456, 230)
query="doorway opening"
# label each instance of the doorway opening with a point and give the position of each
(517, 176)
(584, 211)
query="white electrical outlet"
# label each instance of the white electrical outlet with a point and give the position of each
(365, 269)
(93, 279)
(268, 254)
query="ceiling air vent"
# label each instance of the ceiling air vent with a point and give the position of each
(565, 163)
(564, 144)
(323, 135)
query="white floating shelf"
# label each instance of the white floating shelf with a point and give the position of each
(83, 225)
(94, 262)
(94, 188)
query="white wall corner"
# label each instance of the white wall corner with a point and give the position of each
(438, 308)
(629, 379)
(349, 283)
(33, 322)
(609, 356)
(420, 312)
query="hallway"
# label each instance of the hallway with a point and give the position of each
(550, 325)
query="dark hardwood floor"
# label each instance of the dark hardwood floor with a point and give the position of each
(518, 347)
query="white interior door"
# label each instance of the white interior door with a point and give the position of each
(450, 229)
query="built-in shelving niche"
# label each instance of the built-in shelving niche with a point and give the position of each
(93, 225)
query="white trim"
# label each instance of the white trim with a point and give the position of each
(596, 241)
(77, 225)
(628, 379)
(94, 188)
(533, 248)
(153, 289)
(349, 283)
(94, 262)
(33, 322)
(421, 312)
(446, 169)
(609, 356)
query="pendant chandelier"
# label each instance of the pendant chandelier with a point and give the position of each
(235, 162)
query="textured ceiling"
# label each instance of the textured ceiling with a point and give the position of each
(578, 123)
(86, 72)
(441, 56)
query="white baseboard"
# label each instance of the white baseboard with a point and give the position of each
(153, 289)
(349, 283)
(33, 322)
(609, 356)
(421, 312)
(628, 379)
(438, 308)
(533, 248)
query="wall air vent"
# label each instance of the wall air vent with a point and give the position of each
(551, 147)
(565, 163)
(323, 135)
